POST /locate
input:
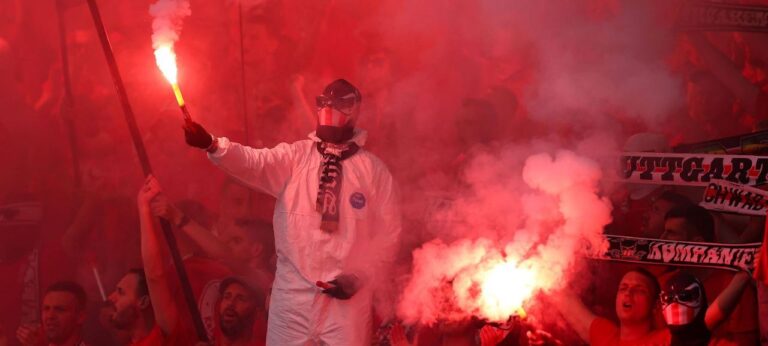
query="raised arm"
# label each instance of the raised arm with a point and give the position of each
(724, 304)
(728, 299)
(153, 255)
(575, 313)
(264, 169)
(267, 170)
(212, 246)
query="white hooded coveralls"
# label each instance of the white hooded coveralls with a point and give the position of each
(364, 244)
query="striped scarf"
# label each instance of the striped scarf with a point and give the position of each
(331, 177)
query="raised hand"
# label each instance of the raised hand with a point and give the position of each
(30, 335)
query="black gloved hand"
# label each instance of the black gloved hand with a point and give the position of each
(344, 287)
(196, 135)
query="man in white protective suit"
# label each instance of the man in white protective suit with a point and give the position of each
(336, 221)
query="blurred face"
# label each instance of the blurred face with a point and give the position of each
(234, 202)
(126, 302)
(653, 221)
(239, 243)
(236, 310)
(679, 229)
(634, 299)
(61, 316)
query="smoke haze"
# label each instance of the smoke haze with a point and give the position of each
(167, 23)
(499, 119)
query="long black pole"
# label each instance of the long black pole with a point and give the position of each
(68, 106)
(144, 159)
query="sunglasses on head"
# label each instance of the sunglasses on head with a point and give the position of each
(342, 104)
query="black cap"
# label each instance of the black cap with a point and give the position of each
(238, 280)
(340, 88)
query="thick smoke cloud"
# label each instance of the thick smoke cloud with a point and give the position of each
(168, 16)
(498, 118)
(594, 70)
(540, 230)
(530, 198)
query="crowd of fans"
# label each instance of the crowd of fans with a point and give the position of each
(113, 283)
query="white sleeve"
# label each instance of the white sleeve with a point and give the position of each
(263, 169)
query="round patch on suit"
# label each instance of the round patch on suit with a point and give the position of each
(357, 200)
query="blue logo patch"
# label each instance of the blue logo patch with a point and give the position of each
(357, 200)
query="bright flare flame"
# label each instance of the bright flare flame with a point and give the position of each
(505, 288)
(166, 61)
(472, 278)
(495, 289)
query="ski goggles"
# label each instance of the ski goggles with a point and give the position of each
(689, 296)
(345, 104)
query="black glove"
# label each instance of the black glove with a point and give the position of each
(196, 135)
(344, 287)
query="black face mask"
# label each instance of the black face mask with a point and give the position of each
(334, 134)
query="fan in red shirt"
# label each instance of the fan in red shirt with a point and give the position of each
(241, 319)
(238, 305)
(172, 320)
(132, 315)
(62, 314)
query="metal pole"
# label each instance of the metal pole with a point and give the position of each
(144, 159)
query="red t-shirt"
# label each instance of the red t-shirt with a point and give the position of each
(183, 335)
(603, 332)
(155, 337)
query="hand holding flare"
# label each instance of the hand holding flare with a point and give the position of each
(166, 61)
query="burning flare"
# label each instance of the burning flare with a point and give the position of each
(556, 211)
(505, 288)
(166, 61)
(168, 16)
(473, 278)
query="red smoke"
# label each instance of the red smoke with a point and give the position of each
(561, 213)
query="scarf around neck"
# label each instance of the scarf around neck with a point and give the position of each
(331, 176)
